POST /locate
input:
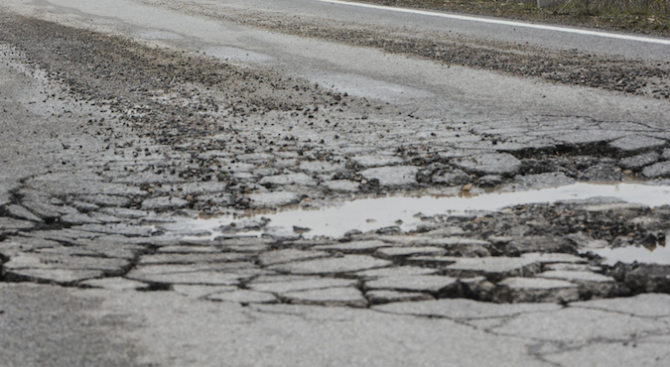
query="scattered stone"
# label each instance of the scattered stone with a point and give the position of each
(186, 249)
(342, 185)
(20, 212)
(115, 284)
(392, 176)
(539, 244)
(288, 255)
(320, 167)
(493, 268)
(552, 258)
(332, 297)
(660, 169)
(382, 297)
(572, 267)
(164, 203)
(639, 161)
(453, 178)
(186, 274)
(439, 285)
(519, 290)
(58, 261)
(590, 283)
(291, 179)
(489, 181)
(345, 264)
(399, 252)
(502, 164)
(636, 143)
(106, 200)
(181, 258)
(602, 173)
(273, 199)
(46, 275)
(242, 296)
(541, 181)
(368, 161)
(649, 278)
(398, 271)
(16, 224)
(78, 219)
(353, 246)
(301, 284)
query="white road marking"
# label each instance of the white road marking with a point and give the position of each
(505, 22)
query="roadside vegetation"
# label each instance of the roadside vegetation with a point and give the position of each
(642, 16)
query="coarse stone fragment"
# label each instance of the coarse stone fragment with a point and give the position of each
(602, 172)
(489, 181)
(300, 284)
(445, 232)
(125, 212)
(465, 309)
(433, 261)
(51, 275)
(399, 252)
(590, 283)
(120, 229)
(636, 143)
(584, 136)
(242, 296)
(660, 169)
(290, 179)
(288, 255)
(541, 181)
(204, 274)
(380, 297)
(273, 199)
(398, 271)
(181, 258)
(344, 264)
(16, 224)
(115, 284)
(493, 268)
(342, 185)
(489, 164)
(77, 219)
(193, 188)
(106, 200)
(650, 278)
(639, 161)
(20, 212)
(572, 267)
(353, 246)
(58, 261)
(451, 178)
(392, 176)
(552, 258)
(349, 296)
(320, 167)
(539, 244)
(439, 285)
(368, 161)
(163, 203)
(518, 290)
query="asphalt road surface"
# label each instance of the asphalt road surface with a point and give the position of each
(127, 126)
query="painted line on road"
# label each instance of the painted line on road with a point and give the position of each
(504, 22)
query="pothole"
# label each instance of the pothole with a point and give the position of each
(659, 254)
(404, 212)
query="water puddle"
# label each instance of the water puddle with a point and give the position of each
(659, 254)
(405, 212)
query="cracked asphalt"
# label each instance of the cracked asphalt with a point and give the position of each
(117, 129)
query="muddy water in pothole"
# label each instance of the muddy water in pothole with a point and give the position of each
(659, 254)
(373, 213)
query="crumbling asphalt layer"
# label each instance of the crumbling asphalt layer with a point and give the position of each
(172, 135)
